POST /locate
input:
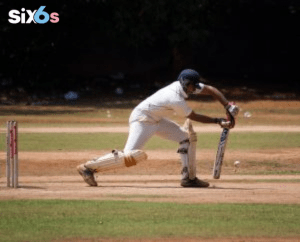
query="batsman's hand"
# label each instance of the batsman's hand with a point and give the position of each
(224, 123)
(232, 109)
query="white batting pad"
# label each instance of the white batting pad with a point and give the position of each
(192, 165)
(116, 159)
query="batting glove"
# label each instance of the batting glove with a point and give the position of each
(224, 123)
(232, 109)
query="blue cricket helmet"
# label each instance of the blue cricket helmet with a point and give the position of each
(189, 76)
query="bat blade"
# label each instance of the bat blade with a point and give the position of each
(220, 154)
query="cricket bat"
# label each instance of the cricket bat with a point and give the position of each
(220, 153)
(222, 146)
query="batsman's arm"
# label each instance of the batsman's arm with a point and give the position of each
(203, 119)
(231, 109)
(214, 92)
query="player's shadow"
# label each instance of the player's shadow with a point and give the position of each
(238, 188)
(31, 187)
(150, 187)
(179, 187)
(137, 186)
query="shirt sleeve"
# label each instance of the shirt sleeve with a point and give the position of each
(182, 109)
(199, 90)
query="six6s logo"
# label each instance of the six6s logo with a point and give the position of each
(37, 16)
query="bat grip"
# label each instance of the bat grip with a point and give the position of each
(230, 118)
(229, 115)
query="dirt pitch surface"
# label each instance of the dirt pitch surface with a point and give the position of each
(53, 175)
(158, 188)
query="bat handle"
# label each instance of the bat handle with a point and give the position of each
(229, 116)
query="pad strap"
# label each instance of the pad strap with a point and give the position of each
(182, 151)
(129, 161)
(184, 141)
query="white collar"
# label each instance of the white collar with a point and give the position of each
(181, 91)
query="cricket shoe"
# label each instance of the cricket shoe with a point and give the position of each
(87, 175)
(194, 183)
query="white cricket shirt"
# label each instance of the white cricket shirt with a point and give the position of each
(169, 98)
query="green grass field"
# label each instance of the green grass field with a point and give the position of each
(263, 113)
(40, 220)
(98, 141)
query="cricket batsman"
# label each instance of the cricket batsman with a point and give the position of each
(149, 118)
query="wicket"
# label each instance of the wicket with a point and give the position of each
(12, 162)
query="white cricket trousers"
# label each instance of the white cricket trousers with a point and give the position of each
(143, 127)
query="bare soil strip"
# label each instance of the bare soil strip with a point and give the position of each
(155, 188)
(160, 162)
(122, 129)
